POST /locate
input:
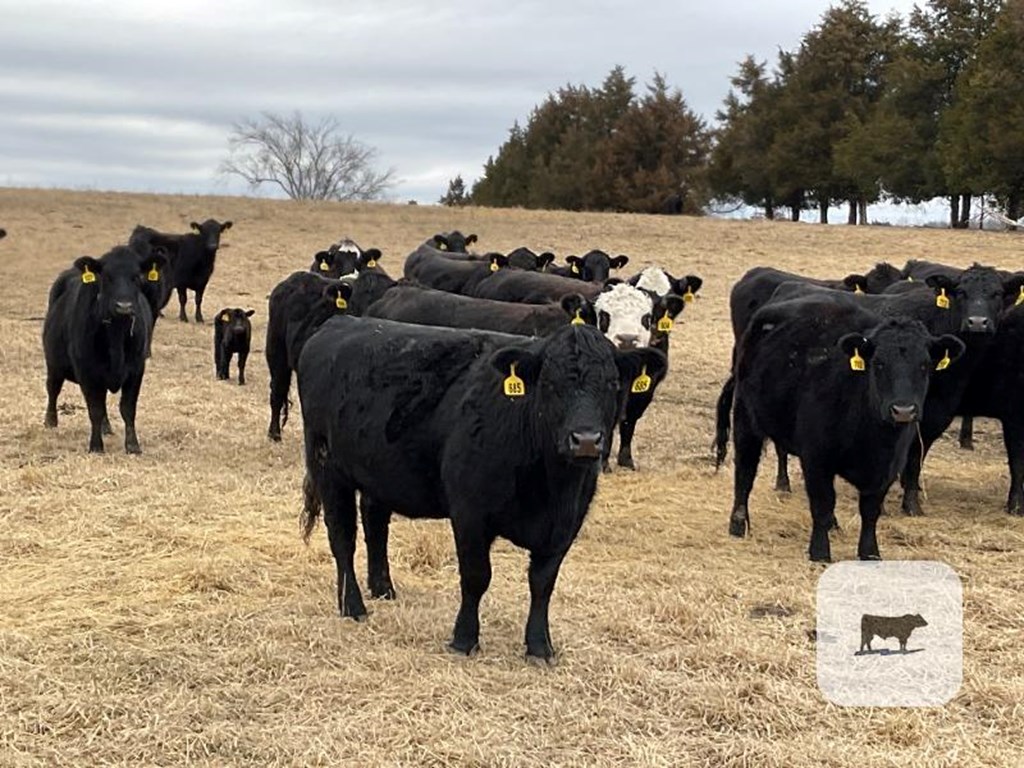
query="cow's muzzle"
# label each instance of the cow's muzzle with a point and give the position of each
(978, 324)
(124, 308)
(903, 414)
(586, 445)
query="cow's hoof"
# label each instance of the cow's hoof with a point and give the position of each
(783, 486)
(383, 592)
(50, 422)
(627, 462)
(739, 525)
(463, 648)
(354, 609)
(95, 449)
(606, 469)
(912, 509)
(133, 448)
(1017, 510)
(825, 558)
(275, 436)
(541, 660)
(967, 445)
(870, 558)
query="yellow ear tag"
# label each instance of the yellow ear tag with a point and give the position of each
(153, 275)
(665, 323)
(340, 303)
(442, 247)
(910, 278)
(87, 276)
(641, 383)
(578, 320)
(371, 264)
(857, 288)
(514, 386)
(225, 318)
(575, 269)
(943, 364)
(688, 296)
(856, 361)
(494, 266)
(324, 266)
(1020, 297)
(942, 301)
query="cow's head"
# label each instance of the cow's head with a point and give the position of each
(579, 309)
(371, 285)
(916, 620)
(572, 382)
(453, 241)
(3, 234)
(624, 315)
(899, 357)
(666, 310)
(209, 233)
(345, 257)
(881, 276)
(524, 258)
(118, 279)
(337, 296)
(977, 297)
(234, 321)
(595, 266)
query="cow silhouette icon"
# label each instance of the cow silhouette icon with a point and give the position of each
(885, 627)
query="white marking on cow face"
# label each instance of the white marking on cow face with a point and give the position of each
(654, 279)
(624, 315)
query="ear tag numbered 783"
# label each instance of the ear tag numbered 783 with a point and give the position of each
(513, 385)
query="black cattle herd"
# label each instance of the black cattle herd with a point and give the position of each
(485, 388)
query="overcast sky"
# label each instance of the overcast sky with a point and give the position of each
(140, 95)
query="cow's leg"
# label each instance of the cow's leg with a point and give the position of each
(473, 547)
(220, 362)
(782, 483)
(54, 384)
(280, 383)
(821, 492)
(626, 430)
(912, 481)
(199, 303)
(542, 575)
(870, 510)
(105, 426)
(747, 445)
(606, 452)
(182, 298)
(242, 357)
(340, 519)
(96, 401)
(129, 401)
(1013, 438)
(967, 433)
(376, 519)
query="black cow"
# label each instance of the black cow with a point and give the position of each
(409, 302)
(885, 627)
(452, 242)
(969, 306)
(191, 255)
(3, 234)
(839, 387)
(298, 305)
(501, 434)
(520, 258)
(530, 287)
(232, 334)
(434, 269)
(592, 267)
(96, 334)
(344, 258)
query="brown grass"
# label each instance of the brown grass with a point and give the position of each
(162, 610)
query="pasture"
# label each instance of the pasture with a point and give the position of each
(163, 609)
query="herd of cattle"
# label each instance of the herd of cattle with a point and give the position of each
(485, 387)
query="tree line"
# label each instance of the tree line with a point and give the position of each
(864, 109)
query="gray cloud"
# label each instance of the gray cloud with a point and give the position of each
(120, 96)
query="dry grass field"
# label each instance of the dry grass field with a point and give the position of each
(163, 610)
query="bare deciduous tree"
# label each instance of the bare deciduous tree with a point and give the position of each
(307, 161)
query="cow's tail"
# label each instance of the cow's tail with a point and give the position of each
(722, 413)
(284, 410)
(311, 507)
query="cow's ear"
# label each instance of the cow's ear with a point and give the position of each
(619, 261)
(323, 260)
(441, 242)
(515, 362)
(470, 239)
(250, 312)
(941, 283)
(88, 265)
(497, 261)
(674, 304)
(226, 225)
(544, 260)
(855, 283)
(611, 282)
(1013, 288)
(691, 283)
(635, 279)
(573, 261)
(195, 226)
(338, 294)
(370, 257)
(157, 260)
(856, 346)
(647, 361)
(579, 309)
(944, 350)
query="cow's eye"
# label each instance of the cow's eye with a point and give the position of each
(646, 320)
(603, 321)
